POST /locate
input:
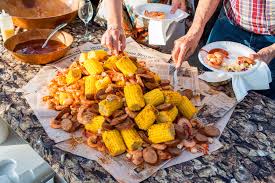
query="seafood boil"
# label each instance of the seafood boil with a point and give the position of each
(124, 108)
(155, 14)
(217, 56)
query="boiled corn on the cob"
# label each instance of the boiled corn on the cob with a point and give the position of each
(95, 124)
(103, 83)
(154, 97)
(131, 138)
(90, 88)
(126, 66)
(186, 108)
(83, 57)
(109, 105)
(134, 97)
(111, 62)
(146, 117)
(73, 75)
(93, 66)
(172, 97)
(114, 142)
(97, 54)
(161, 132)
(168, 116)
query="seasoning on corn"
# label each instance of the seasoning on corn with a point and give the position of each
(121, 83)
(111, 62)
(154, 97)
(103, 83)
(95, 124)
(97, 54)
(162, 132)
(126, 66)
(131, 138)
(114, 142)
(146, 117)
(134, 97)
(172, 97)
(109, 105)
(93, 66)
(168, 116)
(73, 75)
(186, 108)
(90, 88)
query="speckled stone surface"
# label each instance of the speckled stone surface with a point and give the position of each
(248, 154)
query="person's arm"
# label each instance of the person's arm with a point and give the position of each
(114, 38)
(186, 45)
(114, 12)
(266, 54)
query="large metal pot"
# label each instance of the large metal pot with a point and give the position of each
(43, 14)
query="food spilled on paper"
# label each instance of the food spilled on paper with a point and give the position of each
(124, 108)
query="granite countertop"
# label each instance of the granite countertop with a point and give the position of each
(248, 154)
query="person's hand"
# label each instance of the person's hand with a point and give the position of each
(114, 39)
(266, 54)
(184, 47)
(178, 4)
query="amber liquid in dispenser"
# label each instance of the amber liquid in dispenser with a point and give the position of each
(35, 47)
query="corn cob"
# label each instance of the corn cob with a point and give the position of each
(103, 83)
(126, 66)
(186, 108)
(62, 97)
(90, 88)
(114, 142)
(134, 97)
(109, 105)
(97, 54)
(93, 66)
(168, 116)
(154, 97)
(146, 117)
(161, 132)
(83, 57)
(111, 62)
(95, 124)
(73, 75)
(172, 97)
(131, 139)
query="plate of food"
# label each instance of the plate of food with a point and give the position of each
(228, 57)
(158, 11)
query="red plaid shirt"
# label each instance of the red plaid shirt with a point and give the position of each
(256, 16)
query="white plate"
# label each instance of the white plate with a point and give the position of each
(234, 49)
(178, 15)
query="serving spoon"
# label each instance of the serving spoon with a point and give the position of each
(53, 33)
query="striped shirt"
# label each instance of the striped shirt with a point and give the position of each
(256, 16)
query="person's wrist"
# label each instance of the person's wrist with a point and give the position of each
(114, 27)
